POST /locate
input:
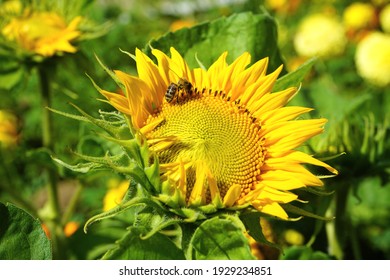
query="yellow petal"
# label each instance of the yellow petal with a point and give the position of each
(232, 195)
(281, 180)
(273, 209)
(300, 157)
(117, 100)
(198, 192)
(139, 100)
(149, 73)
(272, 194)
(215, 70)
(296, 170)
(163, 62)
(234, 75)
(283, 136)
(265, 85)
(214, 191)
(283, 114)
(182, 65)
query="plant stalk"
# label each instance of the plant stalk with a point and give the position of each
(52, 211)
(337, 228)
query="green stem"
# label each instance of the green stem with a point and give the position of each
(52, 209)
(72, 204)
(337, 230)
(46, 102)
(333, 241)
(357, 253)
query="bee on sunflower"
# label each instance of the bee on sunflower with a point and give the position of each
(212, 139)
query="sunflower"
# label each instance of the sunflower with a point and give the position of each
(221, 136)
(308, 38)
(359, 16)
(372, 58)
(45, 33)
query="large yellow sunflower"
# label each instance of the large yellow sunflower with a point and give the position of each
(221, 135)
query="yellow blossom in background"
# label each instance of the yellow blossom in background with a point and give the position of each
(9, 8)
(283, 6)
(320, 35)
(276, 4)
(380, 3)
(222, 137)
(384, 18)
(359, 15)
(372, 58)
(295, 62)
(42, 33)
(115, 193)
(70, 228)
(8, 129)
(293, 237)
(181, 23)
(260, 251)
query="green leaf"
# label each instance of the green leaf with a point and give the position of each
(10, 80)
(152, 173)
(11, 72)
(133, 247)
(369, 205)
(334, 102)
(303, 253)
(117, 128)
(102, 238)
(93, 245)
(21, 236)
(242, 32)
(137, 202)
(253, 226)
(220, 239)
(81, 167)
(340, 106)
(318, 191)
(294, 79)
(302, 212)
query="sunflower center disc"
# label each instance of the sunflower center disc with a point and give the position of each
(216, 133)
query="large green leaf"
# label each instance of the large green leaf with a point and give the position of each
(21, 236)
(243, 32)
(220, 239)
(133, 247)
